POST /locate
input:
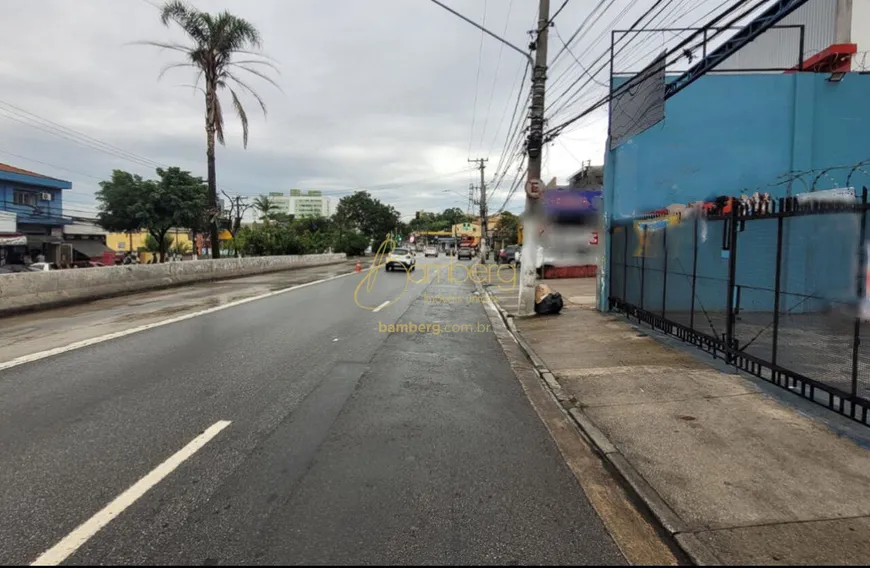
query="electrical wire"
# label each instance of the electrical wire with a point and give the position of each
(477, 80)
(599, 60)
(552, 132)
(495, 78)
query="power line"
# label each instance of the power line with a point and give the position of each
(571, 53)
(507, 106)
(19, 156)
(477, 80)
(587, 24)
(588, 21)
(599, 59)
(495, 78)
(554, 131)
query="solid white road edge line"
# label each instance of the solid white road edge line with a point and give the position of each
(382, 306)
(94, 340)
(72, 542)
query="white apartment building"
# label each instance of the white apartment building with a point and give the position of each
(303, 203)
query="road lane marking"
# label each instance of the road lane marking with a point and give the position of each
(72, 542)
(382, 306)
(94, 340)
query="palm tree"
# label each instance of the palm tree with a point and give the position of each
(265, 206)
(215, 41)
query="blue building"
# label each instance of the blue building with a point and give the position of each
(37, 203)
(776, 133)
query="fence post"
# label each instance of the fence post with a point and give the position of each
(642, 265)
(732, 269)
(862, 267)
(694, 269)
(625, 265)
(777, 281)
(665, 267)
(609, 261)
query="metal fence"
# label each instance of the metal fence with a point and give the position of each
(777, 293)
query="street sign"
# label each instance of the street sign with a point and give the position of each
(533, 188)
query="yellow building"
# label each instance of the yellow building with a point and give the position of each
(124, 242)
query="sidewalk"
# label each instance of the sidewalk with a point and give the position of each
(735, 475)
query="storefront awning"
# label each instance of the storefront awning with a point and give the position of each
(12, 240)
(90, 249)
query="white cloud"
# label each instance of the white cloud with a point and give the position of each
(375, 93)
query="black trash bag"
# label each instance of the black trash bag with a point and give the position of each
(549, 305)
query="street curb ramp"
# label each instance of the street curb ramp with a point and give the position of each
(696, 551)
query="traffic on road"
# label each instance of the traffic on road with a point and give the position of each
(243, 435)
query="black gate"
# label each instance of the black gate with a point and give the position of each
(775, 293)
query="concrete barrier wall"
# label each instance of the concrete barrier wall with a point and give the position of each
(38, 290)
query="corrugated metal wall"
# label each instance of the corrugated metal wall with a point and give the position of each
(778, 48)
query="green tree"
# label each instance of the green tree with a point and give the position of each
(362, 213)
(181, 248)
(216, 43)
(266, 207)
(129, 203)
(507, 227)
(117, 201)
(453, 216)
(154, 247)
(352, 244)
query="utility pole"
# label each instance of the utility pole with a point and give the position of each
(534, 145)
(481, 165)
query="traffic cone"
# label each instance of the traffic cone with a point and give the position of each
(358, 267)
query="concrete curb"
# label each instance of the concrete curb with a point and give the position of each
(688, 542)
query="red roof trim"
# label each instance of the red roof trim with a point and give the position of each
(14, 170)
(834, 59)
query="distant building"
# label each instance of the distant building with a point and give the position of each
(589, 176)
(36, 201)
(88, 240)
(135, 242)
(302, 204)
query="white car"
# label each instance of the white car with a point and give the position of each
(430, 251)
(401, 259)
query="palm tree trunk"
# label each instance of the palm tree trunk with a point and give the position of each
(212, 176)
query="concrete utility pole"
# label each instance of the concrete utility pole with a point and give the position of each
(481, 165)
(534, 146)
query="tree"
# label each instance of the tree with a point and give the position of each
(453, 216)
(117, 201)
(129, 203)
(216, 41)
(365, 214)
(266, 207)
(507, 227)
(154, 247)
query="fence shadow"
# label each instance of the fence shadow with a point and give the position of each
(775, 292)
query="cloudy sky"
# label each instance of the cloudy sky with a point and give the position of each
(392, 96)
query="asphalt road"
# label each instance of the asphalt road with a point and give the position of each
(345, 443)
(37, 331)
